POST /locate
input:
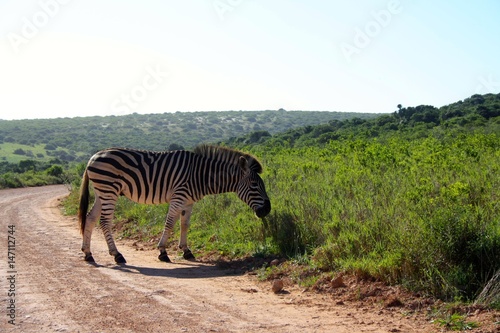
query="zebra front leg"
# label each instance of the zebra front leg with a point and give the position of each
(185, 221)
(172, 216)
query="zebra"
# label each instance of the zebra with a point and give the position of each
(178, 177)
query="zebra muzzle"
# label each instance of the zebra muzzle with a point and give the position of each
(264, 209)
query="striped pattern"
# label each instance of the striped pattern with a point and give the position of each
(178, 177)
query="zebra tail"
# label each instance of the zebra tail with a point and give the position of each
(84, 201)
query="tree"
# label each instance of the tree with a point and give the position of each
(175, 146)
(488, 112)
(26, 165)
(50, 146)
(257, 135)
(55, 170)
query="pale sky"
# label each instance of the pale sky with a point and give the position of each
(85, 57)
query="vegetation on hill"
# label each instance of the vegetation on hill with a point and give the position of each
(76, 139)
(477, 111)
(65, 141)
(33, 173)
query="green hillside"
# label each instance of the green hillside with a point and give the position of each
(476, 112)
(76, 139)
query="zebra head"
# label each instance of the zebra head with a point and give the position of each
(251, 188)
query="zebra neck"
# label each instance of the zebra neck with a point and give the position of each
(223, 179)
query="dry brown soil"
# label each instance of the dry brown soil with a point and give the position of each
(56, 291)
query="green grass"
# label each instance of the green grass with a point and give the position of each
(424, 213)
(33, 152)
(7, 152)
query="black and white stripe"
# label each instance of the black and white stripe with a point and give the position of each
(178, 177)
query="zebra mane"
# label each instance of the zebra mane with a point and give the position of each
(227, 155)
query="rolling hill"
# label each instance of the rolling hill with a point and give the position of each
(75, 139)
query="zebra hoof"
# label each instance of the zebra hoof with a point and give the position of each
(89, 258)
(188, 255)
(164, 257)
(119, 259)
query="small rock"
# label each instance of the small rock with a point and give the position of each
(338, 282)
(277, 286)
(393, 302)
(275, 262)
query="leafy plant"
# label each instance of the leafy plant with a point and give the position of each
(456, 322)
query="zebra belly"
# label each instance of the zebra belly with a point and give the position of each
(152, 198)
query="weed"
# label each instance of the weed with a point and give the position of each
(456, 322)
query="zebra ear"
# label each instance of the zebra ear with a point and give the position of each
(243, 163)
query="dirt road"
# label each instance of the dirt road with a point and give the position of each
(56, 291)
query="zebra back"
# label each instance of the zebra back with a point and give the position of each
(228, 155)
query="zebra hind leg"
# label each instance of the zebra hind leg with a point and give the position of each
(88, 257)
(91, 220)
